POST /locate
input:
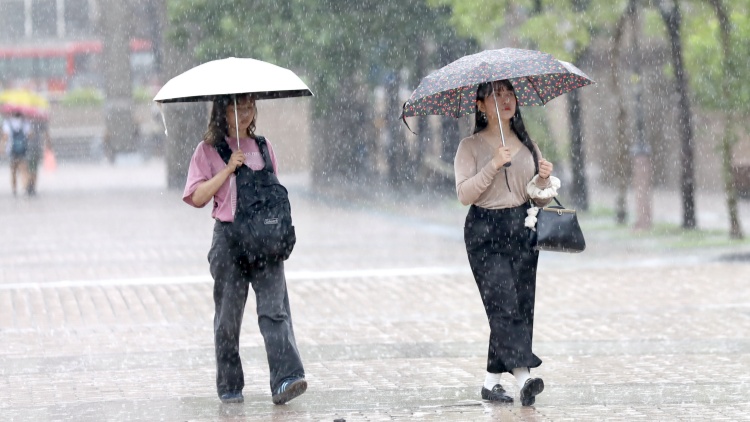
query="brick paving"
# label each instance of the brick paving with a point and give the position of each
(106, 314)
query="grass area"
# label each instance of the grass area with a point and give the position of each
(602, 220)
(82, 97)
(599, 222)
(92, 96)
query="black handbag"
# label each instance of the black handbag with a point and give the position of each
(557, 230)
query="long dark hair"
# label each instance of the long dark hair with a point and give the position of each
(516, 122)
(218, 127)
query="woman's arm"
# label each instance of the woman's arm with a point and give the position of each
(206, 190)
(470, 181)
(546, 185)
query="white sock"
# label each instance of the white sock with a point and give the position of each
(521, 374)
(491, 380)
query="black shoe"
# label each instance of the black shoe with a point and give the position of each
(496, 394)
(531, 388)
(235, 397)
(289, 389)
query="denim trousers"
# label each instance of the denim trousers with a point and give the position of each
(232, 280)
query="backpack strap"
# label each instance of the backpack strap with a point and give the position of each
(263, 146)
(226, 153)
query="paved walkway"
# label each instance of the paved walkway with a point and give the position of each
(106, 310)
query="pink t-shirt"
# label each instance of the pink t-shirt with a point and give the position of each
(206, 163)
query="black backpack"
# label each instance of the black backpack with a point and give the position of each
(19, 142)
(262, 229)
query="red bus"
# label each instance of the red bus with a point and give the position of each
(59, 67)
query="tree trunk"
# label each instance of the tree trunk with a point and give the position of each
(187, 122)
(449, 127)
(729, 138)
(642, 166)
(396, 152)
(579, 190)
(579, 185)
(451, 138)
(621, 159)
(727, 143)
(120, 135)
(423, 127)
(673, 19)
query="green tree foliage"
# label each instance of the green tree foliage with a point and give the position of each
(477, 18)
(704, 58)
(566, 28)
(342, 49)
(718, 86)
(327, 39)
(563, 28)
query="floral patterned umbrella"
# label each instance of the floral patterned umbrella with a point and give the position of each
(536, 77)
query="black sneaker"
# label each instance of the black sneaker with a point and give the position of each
(233, 397)
(289, 389)
(496, 394)
(531, 388)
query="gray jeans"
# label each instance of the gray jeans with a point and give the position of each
(232, 278)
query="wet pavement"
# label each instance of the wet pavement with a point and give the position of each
(106, 312)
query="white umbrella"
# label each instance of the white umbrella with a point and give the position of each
(232, 76)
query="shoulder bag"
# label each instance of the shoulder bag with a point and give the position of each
(557, 230)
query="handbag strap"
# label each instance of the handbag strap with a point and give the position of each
(558, 202)
(531, 203)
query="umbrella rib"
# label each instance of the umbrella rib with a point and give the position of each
(458, 106)
(535, 90)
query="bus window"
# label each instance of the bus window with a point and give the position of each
(86, 71)
(50, 67)
(4, 69)
(141, 67)
(22, 67)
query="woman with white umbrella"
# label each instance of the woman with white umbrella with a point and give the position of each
(253, 234)
(209, 177)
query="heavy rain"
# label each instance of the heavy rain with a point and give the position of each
(442, 162)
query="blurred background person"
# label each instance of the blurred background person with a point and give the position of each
(39, 141)
(16, 134)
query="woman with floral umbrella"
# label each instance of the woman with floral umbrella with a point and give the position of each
(500, 245)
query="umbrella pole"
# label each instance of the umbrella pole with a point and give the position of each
(497, 110)
(236, 122)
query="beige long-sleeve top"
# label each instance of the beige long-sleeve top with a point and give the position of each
(478, 182)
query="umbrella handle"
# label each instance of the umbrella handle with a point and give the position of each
(236, 122)
(497, 110)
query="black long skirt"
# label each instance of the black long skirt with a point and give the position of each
(503, 261)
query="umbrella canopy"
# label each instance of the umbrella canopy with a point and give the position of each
(232, 76)
(537, 78)
(28, 103)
